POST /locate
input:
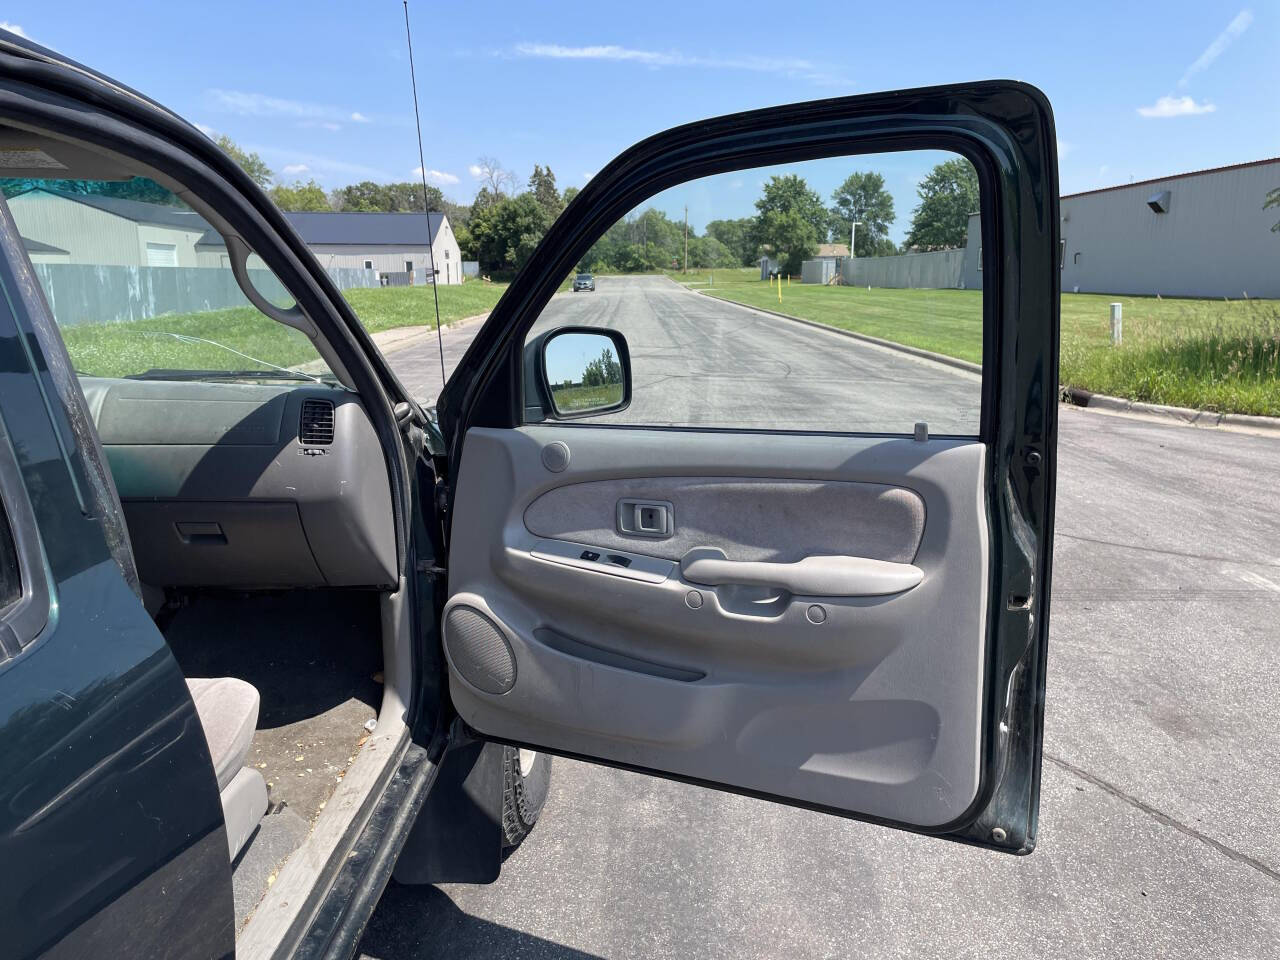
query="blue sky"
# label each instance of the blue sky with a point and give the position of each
(322, 89)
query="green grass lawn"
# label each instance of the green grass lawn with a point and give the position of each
(1208, 354)
(123, 349)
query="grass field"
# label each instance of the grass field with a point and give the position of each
(1208, 354)
(123, 349)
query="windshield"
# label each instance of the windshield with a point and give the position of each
(141, 286)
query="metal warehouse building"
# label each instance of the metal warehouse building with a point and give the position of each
(1198, 234)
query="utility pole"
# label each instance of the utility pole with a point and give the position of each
(686, 239)
(853, 233)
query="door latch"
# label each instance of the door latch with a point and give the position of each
(646, 518)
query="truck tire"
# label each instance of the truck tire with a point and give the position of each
(525, 782)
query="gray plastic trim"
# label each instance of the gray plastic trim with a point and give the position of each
(875, 710)
(812, 576)
(225, 452)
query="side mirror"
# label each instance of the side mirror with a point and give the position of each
(573, 372)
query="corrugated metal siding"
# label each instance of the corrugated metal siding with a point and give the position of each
(1215, 241)
(936, 270)
(88, 234)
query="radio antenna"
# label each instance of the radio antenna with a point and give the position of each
(422, 169)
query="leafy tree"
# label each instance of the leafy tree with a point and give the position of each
(251, 163)
(790, 235)
(466, 243)
(790, 194)
(862, 198)
(299, 196)
(370, 197)
(708, 252)
(485, 198)
(570, 193)
(602, 371)
(543, 184)
(505, 234)
(947, 196)
(737, 236)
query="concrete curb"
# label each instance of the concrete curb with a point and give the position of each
(401, 338)
(1072, 395)
(1183, 415)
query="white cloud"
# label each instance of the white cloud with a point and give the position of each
(655, 59)
(13, 28)
(586, 176)
(735, 184)
(1176, 107)
(1102, 170)
(1235, 28)
(323, 168)
(207, 130)
(307, 113)
(475, 171)
(437, 176)
(1065, 147)
(293, 169)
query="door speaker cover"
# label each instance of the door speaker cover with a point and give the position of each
(479, 650)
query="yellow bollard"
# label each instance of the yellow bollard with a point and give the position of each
(779, 289)
(788, 279)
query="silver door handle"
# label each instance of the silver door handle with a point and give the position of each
(810, 577)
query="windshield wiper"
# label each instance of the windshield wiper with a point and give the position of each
(281, 374)
(187, 338)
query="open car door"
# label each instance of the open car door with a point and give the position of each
(830, 596)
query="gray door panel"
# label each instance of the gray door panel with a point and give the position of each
(870, 704)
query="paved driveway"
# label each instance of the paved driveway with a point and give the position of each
(1161, 777)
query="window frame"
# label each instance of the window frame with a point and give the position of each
(23, 620)
(956, 146)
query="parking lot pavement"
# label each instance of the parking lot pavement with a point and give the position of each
(1161, 775)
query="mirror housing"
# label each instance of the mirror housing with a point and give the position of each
(573, 372)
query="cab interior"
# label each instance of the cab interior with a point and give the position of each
(260, 523)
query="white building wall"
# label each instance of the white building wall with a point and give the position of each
(1215, 241)
(88, 234)
(387, 259)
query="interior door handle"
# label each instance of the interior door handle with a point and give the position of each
(811, 577)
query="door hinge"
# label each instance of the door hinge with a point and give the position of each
(430, 570)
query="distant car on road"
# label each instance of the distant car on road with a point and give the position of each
(584, 281)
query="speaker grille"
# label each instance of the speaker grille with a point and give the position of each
(479, 650)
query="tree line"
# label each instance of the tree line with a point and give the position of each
(504, 224)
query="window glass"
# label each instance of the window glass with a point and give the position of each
(737, 295)
(141, 286)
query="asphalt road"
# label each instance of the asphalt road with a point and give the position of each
(1161, 777)
(699, 361)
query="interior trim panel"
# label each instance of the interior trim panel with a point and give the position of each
(221, 489)
(721, 681)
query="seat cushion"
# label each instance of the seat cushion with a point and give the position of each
(228, 710)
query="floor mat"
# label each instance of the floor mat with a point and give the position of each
(315, 658)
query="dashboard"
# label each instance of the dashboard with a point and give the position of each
(247, 485)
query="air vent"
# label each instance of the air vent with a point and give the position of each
(316, 425)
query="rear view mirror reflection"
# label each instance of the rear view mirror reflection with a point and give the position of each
(586, 372)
